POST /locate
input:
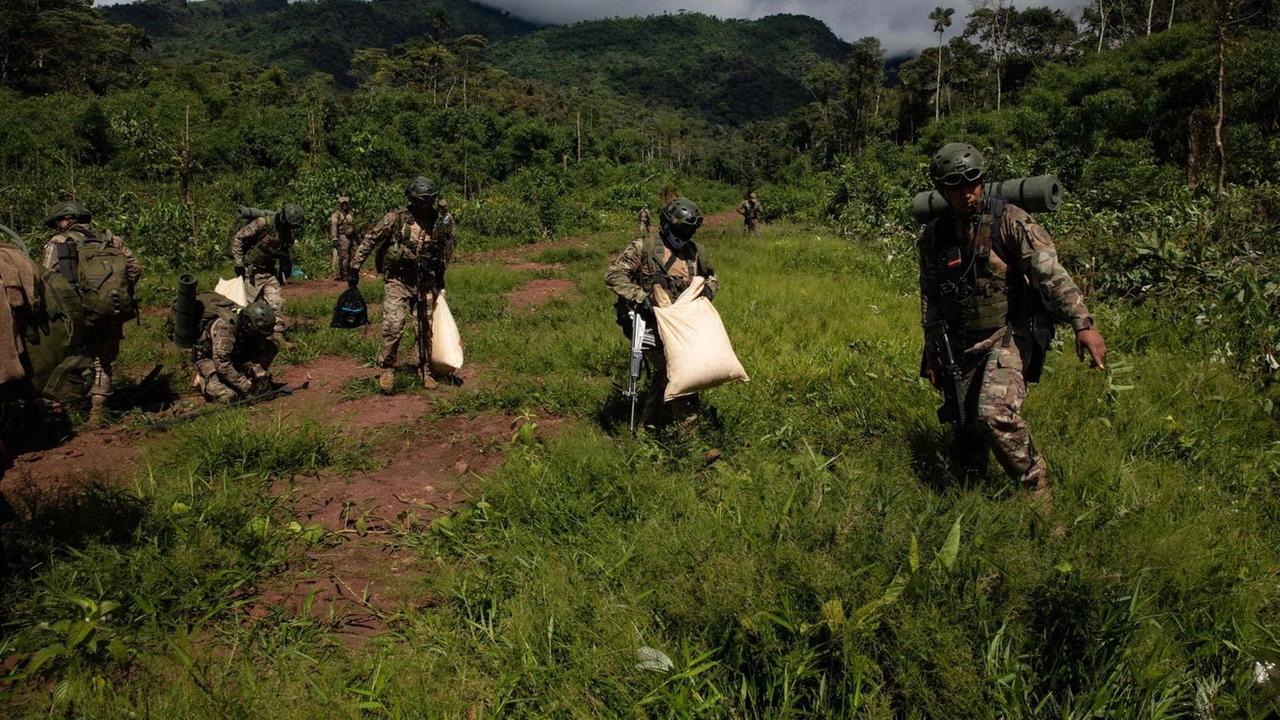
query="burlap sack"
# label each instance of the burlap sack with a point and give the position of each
(446, 343)
(698, 352)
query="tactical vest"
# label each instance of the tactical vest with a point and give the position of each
(398, 255)
(346, 224)
(975, 296)
(264, 254)
(659, 268)
(102, 277)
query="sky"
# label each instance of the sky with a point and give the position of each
(902, 25)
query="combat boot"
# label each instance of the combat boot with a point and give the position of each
(429, 382)
(1037, 481)
(97, 411)
(387, 381)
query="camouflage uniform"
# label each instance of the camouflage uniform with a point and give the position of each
(103, 344)
(992, 324)
(400, 241)
(342, 228)
(263, 249)
(645, 226)
(751, 211)
(229, 363)
(632, 277)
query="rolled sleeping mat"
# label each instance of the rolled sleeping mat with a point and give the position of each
(186, 313)
(1041, 193)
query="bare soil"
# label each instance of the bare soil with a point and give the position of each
(537, 292)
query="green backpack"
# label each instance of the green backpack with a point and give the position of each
(53, 335)
(102, 276)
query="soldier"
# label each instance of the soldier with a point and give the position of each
(342, 227)
(261, 252)
(645, 227)
(991, 273)
(415, 244)
(751, 211)
(673, 263)
(107, 295)
(233, 356)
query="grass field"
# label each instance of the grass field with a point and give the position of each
(825, 565)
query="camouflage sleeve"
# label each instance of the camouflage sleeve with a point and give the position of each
(50, 257)
(1040, 259)
(742, 209)
(334, 220)
(378, 233)
(620, 277)
(133, 268)
(930, 286)
(223, 340)
(708, 273)
(245, 234)
(443, 233)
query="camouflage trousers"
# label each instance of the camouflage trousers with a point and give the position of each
(683, 409)
(103, 344)
(208, 383)
(342, 251)
(399, 303)
(994, 390)
(750, 226)
(266, 286)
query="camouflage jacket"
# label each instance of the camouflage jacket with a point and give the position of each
(644, 216)
(341, 225)
(1025, 244)
(133, 268)
(751, 210)
(236, 364)
(632, 276)
(401, 241)
(261, 245)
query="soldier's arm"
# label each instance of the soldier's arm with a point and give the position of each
(375, 235)
(334, 221)
(619, 277)
(243, 236)
(1040, 260)
(708, 273)
(930, 287)
(444, 234)
(50, 257)
(223, 337)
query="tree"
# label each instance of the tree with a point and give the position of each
(63, 45)
(941, 21)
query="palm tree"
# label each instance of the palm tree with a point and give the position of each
(941, 21)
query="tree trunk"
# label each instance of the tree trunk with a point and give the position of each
(1224, 17)
(1102, 28)
(1172, 4)
(1151, 14)
(937, 88)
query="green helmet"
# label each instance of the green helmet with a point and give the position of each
(291, 214)
(67, 208)
(258, 318)
(683, 212)
(956, 163)
(422, 189)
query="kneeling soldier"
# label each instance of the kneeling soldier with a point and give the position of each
(233, 357)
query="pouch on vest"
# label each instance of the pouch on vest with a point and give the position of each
(351, 310)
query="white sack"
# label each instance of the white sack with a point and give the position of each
(236, 290)
(446, 343)
(699, 355)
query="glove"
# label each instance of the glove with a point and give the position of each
(353, 278)
(240, 271)
(706, 293)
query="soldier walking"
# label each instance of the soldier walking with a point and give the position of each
(262, 255)
(751, 211)
(104, 272)
(414, 246)
(672, 264)
(342, 228)
(985, 268)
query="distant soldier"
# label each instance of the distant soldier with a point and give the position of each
(414, 246)
(233, 356)
(342, 230)
(105, 273)
(751, 211)
(645, 227)
(985, 266)
(262, 251)
(671, 263)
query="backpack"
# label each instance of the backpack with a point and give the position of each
(102, 277)
(51, 325)
(244, 216)
(351, 311)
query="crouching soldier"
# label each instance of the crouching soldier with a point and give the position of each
(233, 356)
(671, 261)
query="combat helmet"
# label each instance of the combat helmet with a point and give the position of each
(956, 163)
(67, 208)
(291, 214)
(258, 318)
(422, 188)
(683, 213)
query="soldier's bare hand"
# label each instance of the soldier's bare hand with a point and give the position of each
(1091, 341)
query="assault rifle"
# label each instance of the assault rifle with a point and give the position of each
(274, 391)
(641, 339)
(426, 286)
(952, 382)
